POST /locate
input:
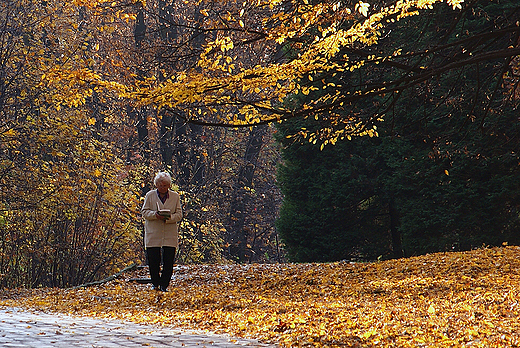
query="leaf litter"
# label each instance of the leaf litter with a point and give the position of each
(453, 299)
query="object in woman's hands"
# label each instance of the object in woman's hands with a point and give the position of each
(165, 212)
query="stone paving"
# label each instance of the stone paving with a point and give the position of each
(19, 328)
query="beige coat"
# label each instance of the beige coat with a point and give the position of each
(159, 233)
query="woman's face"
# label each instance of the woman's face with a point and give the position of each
(163, 186)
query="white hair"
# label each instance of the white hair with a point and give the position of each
(162, 176)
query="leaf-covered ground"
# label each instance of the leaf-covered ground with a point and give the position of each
(439, 300)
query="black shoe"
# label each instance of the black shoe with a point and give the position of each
(155, 288)
(163, 289)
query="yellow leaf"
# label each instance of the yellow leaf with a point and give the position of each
(369, 334)
(473, 332)
(362, 7)
(431, 309)
(10, 133)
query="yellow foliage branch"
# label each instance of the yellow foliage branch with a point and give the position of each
(216, 85)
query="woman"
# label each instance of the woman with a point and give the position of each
(161, 231)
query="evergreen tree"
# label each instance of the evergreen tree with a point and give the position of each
(442, 175)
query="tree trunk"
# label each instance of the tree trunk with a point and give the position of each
(397, 245)
(238, 233)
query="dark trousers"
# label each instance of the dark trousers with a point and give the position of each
(161, 279)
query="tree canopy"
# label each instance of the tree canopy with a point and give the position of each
(329, 38)
(441, 175)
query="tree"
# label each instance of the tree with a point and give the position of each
(328, 211)
(435, 178)
(322, 41)
(293, 24)
(213, 178)
(68, 213)
(72, 93)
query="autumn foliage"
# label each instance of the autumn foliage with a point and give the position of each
(96, 96)
(449, 299)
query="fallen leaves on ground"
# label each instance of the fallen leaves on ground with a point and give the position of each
(440, 300)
